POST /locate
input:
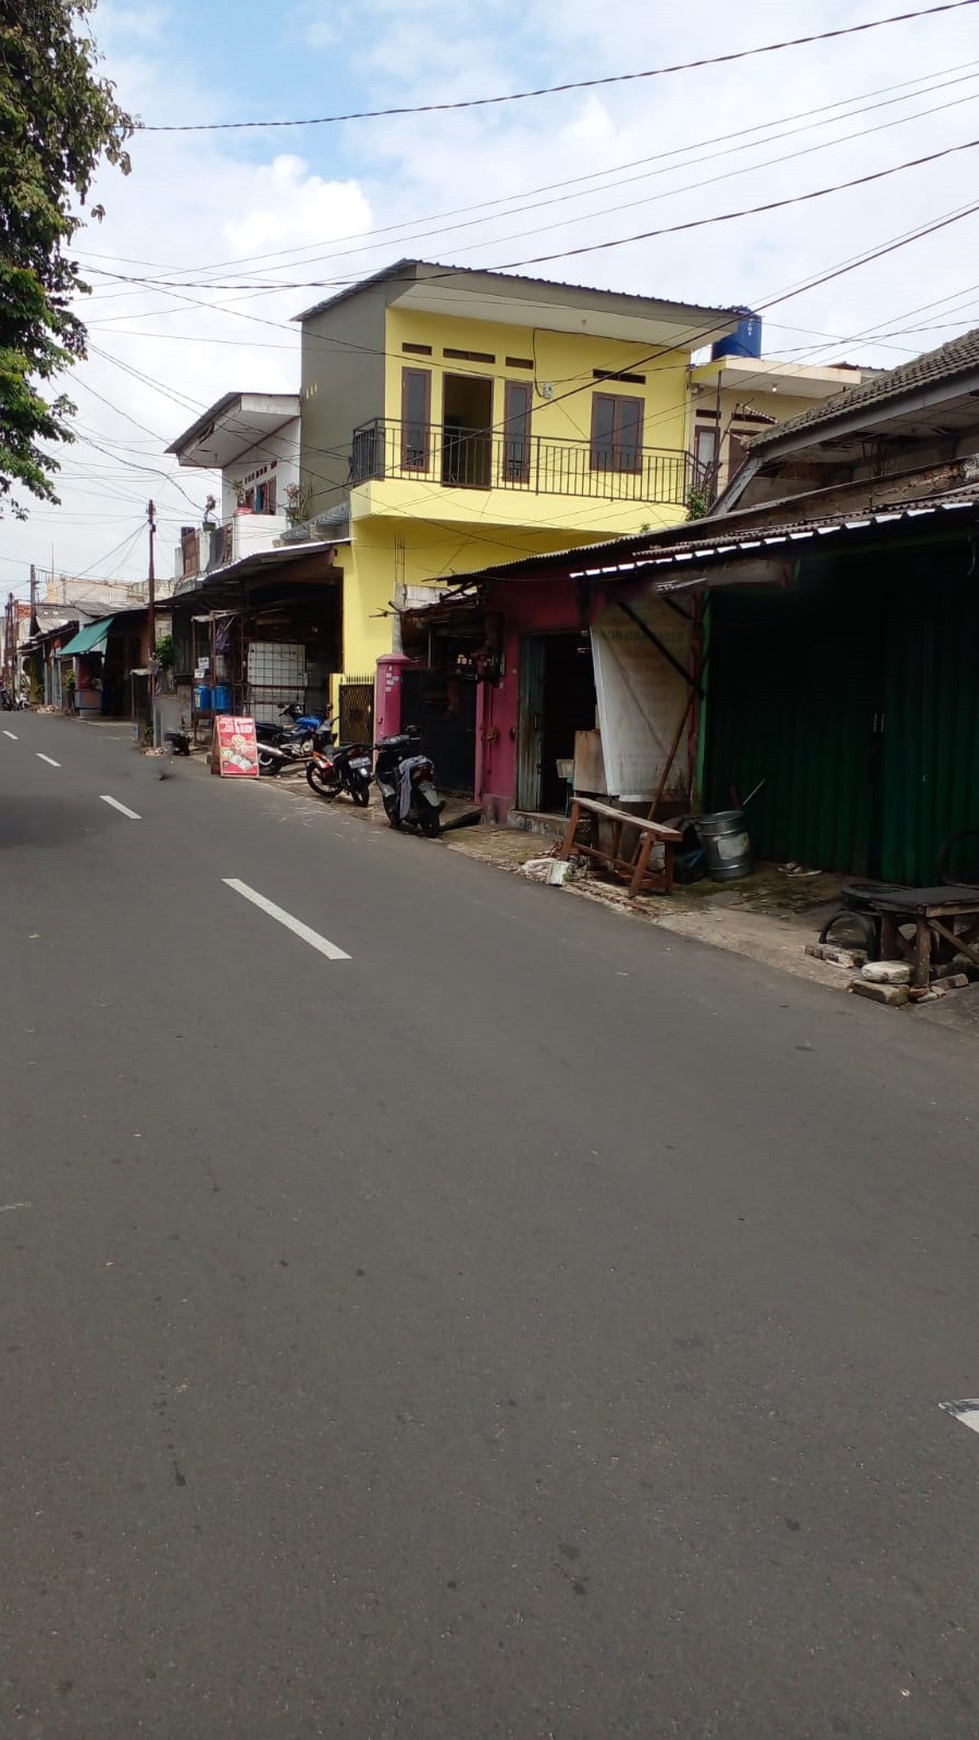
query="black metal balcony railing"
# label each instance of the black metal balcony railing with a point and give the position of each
(541, 465)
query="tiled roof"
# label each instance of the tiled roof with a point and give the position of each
(959, 356)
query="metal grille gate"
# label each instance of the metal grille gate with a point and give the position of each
(356, 720)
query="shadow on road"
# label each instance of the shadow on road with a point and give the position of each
(56, 821)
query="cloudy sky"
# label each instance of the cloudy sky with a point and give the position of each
(218, 238)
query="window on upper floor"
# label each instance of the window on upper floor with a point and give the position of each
(616, 432)
(705, 450)
(263, 497)
(416, 418)
(517, 406)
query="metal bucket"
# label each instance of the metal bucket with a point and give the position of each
(726, 845)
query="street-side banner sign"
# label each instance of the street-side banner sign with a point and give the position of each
(234, 748)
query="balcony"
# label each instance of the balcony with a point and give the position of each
(201, 551)
(488, 459)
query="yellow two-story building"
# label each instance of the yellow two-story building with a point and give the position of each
(448, 420)
(451, 418)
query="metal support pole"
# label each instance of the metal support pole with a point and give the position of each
(151, 613)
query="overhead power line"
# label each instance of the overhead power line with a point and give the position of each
(269, 286)
(746, 211)
(570, 85)
(590, 247)
(831, 113)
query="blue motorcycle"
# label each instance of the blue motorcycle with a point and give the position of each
(287, 744)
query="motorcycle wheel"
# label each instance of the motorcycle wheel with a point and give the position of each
(430, 823)
(391, 811)
(361, 793)
(322, 787)
(267, 763)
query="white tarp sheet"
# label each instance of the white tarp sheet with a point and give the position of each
(641, 697)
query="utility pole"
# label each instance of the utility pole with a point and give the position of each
(32, 627)
(10, 646)
(151, 613)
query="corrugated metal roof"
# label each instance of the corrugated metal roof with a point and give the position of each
(959, 356)
(51, 616)
(704, 539)
(280, 557)
(755, 541)
(407, 267)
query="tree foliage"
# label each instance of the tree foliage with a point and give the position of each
(58, 120)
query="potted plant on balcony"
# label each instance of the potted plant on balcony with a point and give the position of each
(209, 523)
(239, 489)
(297, 503)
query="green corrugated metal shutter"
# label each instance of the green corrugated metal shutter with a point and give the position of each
(789, 704)
(855, 696)
(930, 738)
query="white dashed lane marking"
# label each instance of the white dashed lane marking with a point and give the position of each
(12, 735)
(48, 758)
(967, 1412)
(299, 929)
(123, 811)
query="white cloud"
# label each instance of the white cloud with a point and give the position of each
(288, 205)
(199, 199)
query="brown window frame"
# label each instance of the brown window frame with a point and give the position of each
(416, 455)
(707, 467)
(517, 431)
(737, 450)
(609, 453)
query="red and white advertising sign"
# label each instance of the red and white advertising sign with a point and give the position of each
(234, 748)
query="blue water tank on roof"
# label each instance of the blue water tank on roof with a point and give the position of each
(745, 340)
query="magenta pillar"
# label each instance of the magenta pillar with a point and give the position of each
(387, 694)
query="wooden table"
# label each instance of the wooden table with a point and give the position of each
(634, 871)
(934, 913)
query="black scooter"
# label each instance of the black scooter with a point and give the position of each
(406, 781)
(336, 769)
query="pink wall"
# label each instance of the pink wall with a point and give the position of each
(527, 607)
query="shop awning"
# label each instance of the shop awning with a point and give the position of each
(88, 639)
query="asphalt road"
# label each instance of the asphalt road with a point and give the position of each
(533, 1325)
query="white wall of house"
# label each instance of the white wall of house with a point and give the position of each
(271, 464)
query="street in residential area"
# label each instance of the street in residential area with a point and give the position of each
(437, 1305)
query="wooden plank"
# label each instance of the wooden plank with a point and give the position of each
(640, 872)
(570, 829)
(959, 943)
(644, 823)
(921, 972)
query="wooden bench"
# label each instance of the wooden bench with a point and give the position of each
(636, 872)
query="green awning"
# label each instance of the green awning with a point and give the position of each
(88, 639)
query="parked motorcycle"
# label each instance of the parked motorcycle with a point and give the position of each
(406, 781)
(298, 727)
(338, 768)
(282, 746)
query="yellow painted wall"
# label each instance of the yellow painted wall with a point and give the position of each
(563, 366)
(561, 360)
(417, 531)
(383, 553)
